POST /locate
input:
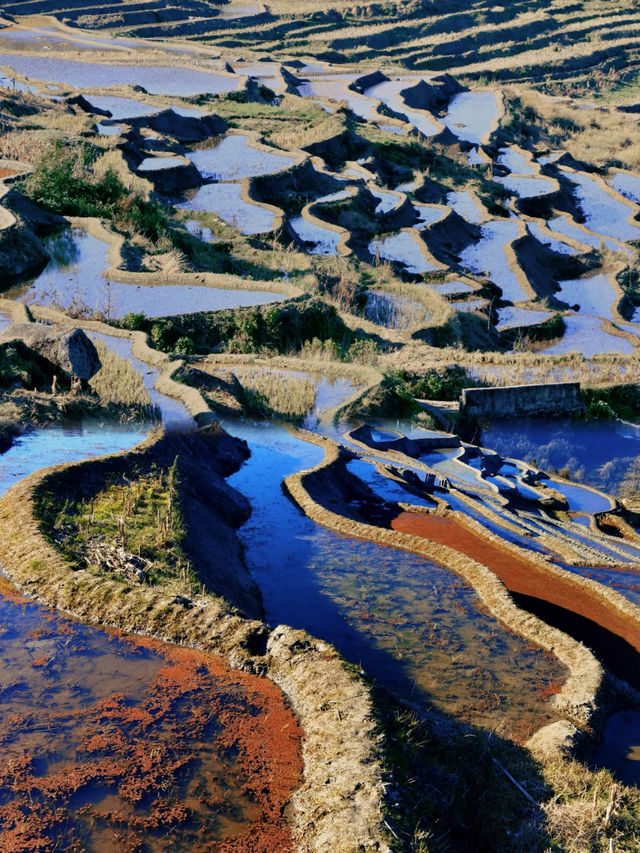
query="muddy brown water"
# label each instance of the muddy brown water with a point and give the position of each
(118, 743)
(519, 574)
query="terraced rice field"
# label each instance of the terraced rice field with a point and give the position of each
(273, 213)
(531, 42)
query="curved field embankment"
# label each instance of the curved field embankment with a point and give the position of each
(338, 806)
(523, 572)
(585, 688)
(200, 279)
(528, 576)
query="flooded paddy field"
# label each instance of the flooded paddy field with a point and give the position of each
(481, 524)
(458, 235)
(234, 158)
(74, 281)
(225, 200)
(602, 455)
(156, 80)
(403, 248)
(318, 239)
(175, 415)
(604, 216)
(113, 741)
(471, 116)
(414, 626)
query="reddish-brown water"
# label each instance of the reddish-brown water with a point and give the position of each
(520, 574)
(117, 743)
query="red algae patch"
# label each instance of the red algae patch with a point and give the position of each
(519, 574)
(114, 744)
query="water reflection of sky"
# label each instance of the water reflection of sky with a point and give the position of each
(414, 625)
(601, 453)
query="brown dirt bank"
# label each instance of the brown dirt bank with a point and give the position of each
(338, 806)
(519, 574)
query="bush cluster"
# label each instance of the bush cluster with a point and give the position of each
(276, 328)
(63, 181)
(440, 384)
(617, 401)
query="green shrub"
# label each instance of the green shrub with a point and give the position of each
(134, 321)
(281, 328)
(184, 346)
(599, 410)
(437, 384)
(629, 280)
(63, 181)
(617, 401)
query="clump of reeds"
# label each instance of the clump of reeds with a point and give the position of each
(118, 382)
(23, 145)
(395, 312)
(589, 372)
(281, 394)
(589, 810)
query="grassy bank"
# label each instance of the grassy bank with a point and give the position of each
(275, 329)
(338, 805)
(133, 531)
(451, 786)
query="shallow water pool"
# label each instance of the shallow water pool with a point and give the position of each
(402, 248)
(416, 627)
(73, 281)
(225, 199)
(471, 115)
(155, 79)
(488, 257)
(233, 158)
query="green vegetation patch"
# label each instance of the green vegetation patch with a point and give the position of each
(272, 328)
(617, 401)
(63, 181)
(523, 336)
(391, 399)
(133, 531)
(440, 383)
(24, 368)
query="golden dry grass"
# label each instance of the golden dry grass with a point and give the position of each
(117, 381)
(593, 135)
(278, 392)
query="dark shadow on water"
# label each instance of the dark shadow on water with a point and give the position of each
(614, 652)
(282, 549)
(309, 577)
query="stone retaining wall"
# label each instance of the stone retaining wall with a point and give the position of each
(561, 398)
